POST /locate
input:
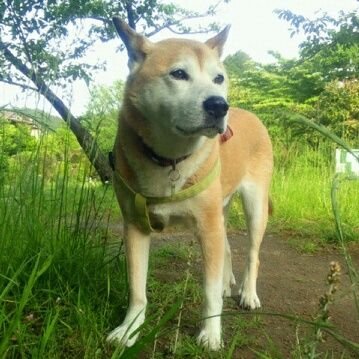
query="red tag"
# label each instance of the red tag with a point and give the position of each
(226, 135)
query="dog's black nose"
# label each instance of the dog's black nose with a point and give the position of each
(216, 106)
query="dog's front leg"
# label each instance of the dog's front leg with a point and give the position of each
(137, 247)
(212, 235)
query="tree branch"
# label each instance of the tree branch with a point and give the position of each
(169, 24)
(21, 34)
(25, 87)
(187, 32)
(85, 139)
(130, 14)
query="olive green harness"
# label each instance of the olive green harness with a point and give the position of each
(140, 203)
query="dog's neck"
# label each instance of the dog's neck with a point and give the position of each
(160, 160)
(163, 149)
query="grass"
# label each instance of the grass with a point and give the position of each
(55, 253)
(62, 270)
(302, 200)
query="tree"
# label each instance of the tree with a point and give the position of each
(326, 74)
(14, 139)
(264, 89)
(338, 108)
(331, 45)
(41, 47)
(102, 112)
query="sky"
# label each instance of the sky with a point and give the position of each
(255, 29)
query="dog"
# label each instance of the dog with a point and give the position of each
(180, 155)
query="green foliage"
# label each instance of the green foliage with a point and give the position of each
(300, 79)
(238, 63)
(59, 148)
(331, 45)
(303, 158)
(337, 108)
(321, 84)
(63, 278)
(53, 36)
(251, 85)
(44, 120)
(54, 147)
(102, 113)
(14, 139)
(105, 99)
(266, 90)
(43, 43)
(301, 196)
(54, 255)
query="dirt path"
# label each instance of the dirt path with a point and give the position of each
(292, 282)
(289, 282)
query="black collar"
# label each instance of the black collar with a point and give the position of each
(166, 162)
(162, 161)
(159, 160)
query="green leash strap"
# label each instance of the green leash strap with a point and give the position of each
(141, 202)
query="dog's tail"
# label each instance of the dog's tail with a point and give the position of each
(270, 206)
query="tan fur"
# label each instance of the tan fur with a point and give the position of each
(247, 154)
(246, 166)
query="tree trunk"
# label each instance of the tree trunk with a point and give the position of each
(85, 139)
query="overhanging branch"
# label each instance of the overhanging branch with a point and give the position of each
(23, 86)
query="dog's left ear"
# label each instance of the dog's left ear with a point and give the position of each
(137, 45)
(217, 42)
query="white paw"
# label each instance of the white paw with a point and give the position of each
(121, 335)
(210, 339)
(248, 299)
(227, 284)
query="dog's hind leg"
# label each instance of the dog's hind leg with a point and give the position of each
(255, 205)
(137, 251)
(228, 276)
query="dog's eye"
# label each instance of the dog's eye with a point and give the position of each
(218, 79)
(179, 74)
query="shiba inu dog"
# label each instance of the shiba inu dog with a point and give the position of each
(180, 155)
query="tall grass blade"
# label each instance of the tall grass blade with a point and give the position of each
(300, 119)
(48, 333)
(324, 326)
(11, 281)
(335, 186)
(134, 351)
(36, 272)
(353, 275)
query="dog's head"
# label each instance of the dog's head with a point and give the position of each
(179, 86)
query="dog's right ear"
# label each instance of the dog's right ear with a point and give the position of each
(217, 42)
(137, 45)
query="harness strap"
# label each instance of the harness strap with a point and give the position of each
(141, 202)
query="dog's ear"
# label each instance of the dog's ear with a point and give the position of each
(137, 45)
(217, 42)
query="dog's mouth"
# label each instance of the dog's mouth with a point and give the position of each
(206, 130)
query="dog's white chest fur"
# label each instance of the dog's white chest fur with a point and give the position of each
(172, 214)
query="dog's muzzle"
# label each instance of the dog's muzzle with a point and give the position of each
(216, 108)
